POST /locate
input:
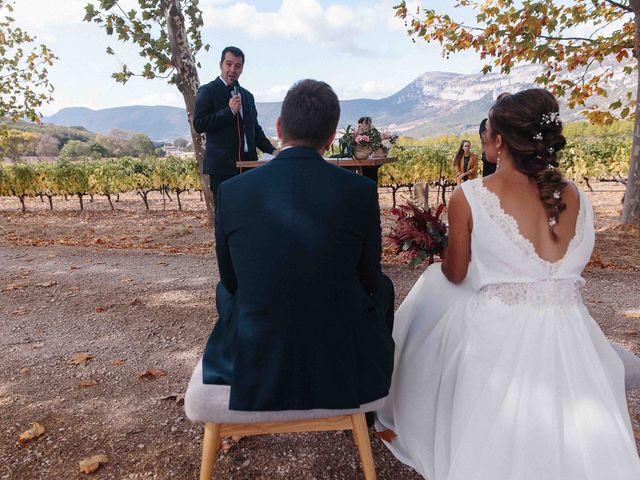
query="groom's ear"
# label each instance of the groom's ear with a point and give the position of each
(329, 141)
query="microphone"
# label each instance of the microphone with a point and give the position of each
(236, 88)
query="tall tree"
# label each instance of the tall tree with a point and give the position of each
(552, 33)
(24, 85)
(167, 32)
(47, 146)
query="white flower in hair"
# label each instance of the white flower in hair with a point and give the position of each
(552, 222)
(556, 194)
(538, 136)
(551, 117)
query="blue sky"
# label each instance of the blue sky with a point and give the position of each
(356, 46)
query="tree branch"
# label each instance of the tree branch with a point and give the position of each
(620, 5)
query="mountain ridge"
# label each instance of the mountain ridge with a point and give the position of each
(435, 103)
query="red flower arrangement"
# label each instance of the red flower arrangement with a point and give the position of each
(418, 234)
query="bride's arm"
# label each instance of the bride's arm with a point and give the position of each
(458, 255)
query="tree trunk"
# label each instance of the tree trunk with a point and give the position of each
(188, 83)
(631, 208)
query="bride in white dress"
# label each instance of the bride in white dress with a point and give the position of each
(501, 373)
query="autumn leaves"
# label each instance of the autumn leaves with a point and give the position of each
(79, 361)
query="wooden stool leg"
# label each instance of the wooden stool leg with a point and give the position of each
(210, 446)
(361, 437)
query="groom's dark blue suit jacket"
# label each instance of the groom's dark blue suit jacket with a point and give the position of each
(298, 246)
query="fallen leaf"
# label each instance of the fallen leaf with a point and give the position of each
(24, 370)
(38, 345)
(100, 309)
(177, 397)
(89, 382)
(21, 311)
(153, 372)
(632, 314)
(636, 433)
(135, 301)
(35, 431)
(13, 286)
(80, 358)
(631, 333)
(46, 284)
(99, 241)
(91, 464)
(387, 435)
(118, 361)
(73, 267)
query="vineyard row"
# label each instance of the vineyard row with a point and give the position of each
(602, 158)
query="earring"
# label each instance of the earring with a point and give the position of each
(498, 160)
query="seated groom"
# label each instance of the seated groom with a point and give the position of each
(305, 313)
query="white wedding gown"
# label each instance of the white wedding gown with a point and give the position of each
(506, 376)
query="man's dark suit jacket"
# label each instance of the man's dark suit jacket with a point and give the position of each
(213, 117)
(302, 296)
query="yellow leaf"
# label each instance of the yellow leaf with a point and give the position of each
(35, 431)
(91, 464)
(89, 382)
(25, 370)
(632, 314)
(80, 358)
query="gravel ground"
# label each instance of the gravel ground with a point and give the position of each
(134, 290)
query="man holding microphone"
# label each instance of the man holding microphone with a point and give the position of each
(226, 113)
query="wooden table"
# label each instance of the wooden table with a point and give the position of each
(367, 167)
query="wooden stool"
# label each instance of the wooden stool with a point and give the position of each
(210, 404)
(214, 432)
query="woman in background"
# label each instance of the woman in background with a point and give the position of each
(465, 162)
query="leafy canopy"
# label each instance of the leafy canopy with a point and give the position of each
(548, 32)
(24, 86)
(146, 27)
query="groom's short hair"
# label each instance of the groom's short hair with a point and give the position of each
(310, 113)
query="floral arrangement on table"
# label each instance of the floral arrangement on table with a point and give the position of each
(384, 142)
(362, 143)
(417, 234)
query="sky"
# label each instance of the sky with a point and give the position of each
(358, 47)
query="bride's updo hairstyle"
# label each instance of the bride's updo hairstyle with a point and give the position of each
(532, 131)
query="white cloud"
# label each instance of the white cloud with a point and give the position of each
(336, 25)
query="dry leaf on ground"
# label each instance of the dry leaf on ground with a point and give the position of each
(153, 372)
(89, 382)
(177, 397)
(632, 314)
(91, 464)
(80, 358)
(387, 435)
(46, 284)
(13, 286)
(118, 362)
(24, 370)
(35, 431)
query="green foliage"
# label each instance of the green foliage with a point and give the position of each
(146, 27)
(24, 84)
(16, 144)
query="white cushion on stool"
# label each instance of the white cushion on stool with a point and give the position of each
(210, 403)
